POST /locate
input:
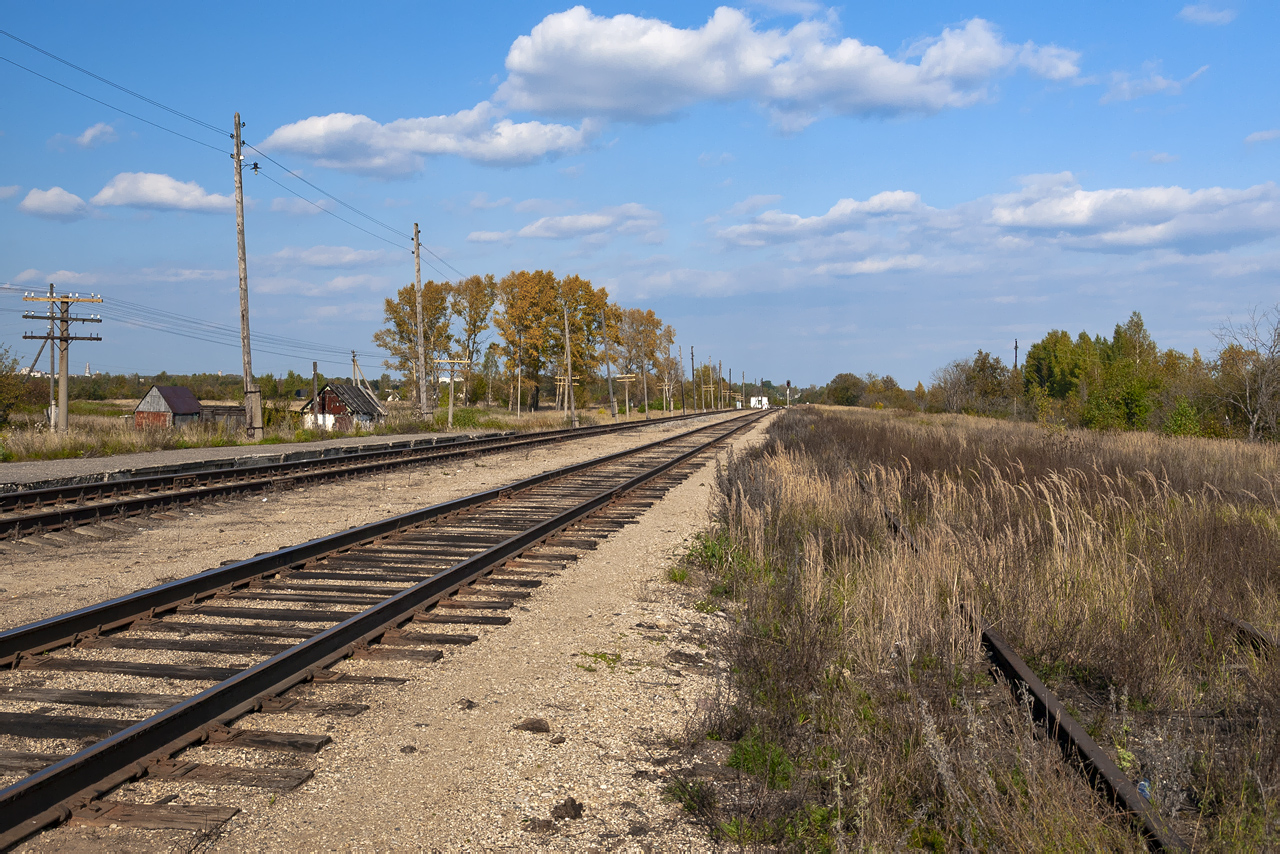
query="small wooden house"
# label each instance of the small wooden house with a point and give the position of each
(166, 406)
(342, 407)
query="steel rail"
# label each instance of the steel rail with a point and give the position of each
(34, 638)
(1048, 711)
(188, 486)
(46, 797)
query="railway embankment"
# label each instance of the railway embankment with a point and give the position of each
(609, 691)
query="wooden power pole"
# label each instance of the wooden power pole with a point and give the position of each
(421, 342)
(63, 339)
(252, 394)
(568, 365)
(608, 364)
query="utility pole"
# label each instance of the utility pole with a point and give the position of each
(720, 385)
(252, 394)
(315, 395)
(422, 347)
(63, 339)
(568, 365)
(608, 365)
(53, 398)
(680, 353)
(693, 367)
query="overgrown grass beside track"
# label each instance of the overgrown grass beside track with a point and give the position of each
(1106, 561)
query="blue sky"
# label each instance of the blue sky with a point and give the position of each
(798, 189)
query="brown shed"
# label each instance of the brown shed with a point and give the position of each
(166, 406)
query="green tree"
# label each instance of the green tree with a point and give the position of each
(400, 337)
(845, 389)
(471, 302)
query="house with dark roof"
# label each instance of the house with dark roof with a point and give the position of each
(166, 406)
(340, 406)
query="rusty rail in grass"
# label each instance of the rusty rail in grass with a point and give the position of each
(1047, 710)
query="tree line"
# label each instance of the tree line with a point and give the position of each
(537, 320)
(1125, 382)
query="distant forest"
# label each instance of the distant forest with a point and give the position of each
(1125, 382)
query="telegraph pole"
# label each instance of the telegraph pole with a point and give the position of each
(63, 339)
(693, 366)
(422, 347)
(568, 365)
(680, 354)
(252, 394)
(608, 365)
(315, 395)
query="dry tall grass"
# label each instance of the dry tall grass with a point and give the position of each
(1104, 559)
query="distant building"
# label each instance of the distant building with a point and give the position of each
(166, 406)
(342, 407)
(759, 403)
(229, 415)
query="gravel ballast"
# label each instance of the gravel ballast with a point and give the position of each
(609, 655)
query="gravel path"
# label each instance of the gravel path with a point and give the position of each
(608, 653)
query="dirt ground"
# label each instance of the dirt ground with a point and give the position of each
(609, 654)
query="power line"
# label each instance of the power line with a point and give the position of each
(323, 208)
(110, 83)
(199, 122)
(147, 317)
(372, 219)
(112, 106)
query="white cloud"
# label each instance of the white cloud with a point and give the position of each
(542, 206)
(1262, 136)
(10, 191)
(1138, 218)
(872, 265)
(1125, 88)
(54, 203)
(751, 204)
(58, 277)
(707, 159)
(1204, 13)
(336, 285)
(482, 202)
(1013, 233)
(300, 207)
(1155, 156)
(776, 226)
(489, 236)
(98, 134)
(122, 276)
(575, 63)
(338, 257)
(631, 218)
(155, 191)
(357, 143)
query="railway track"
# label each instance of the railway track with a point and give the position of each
(42, 510)
(259, 639)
